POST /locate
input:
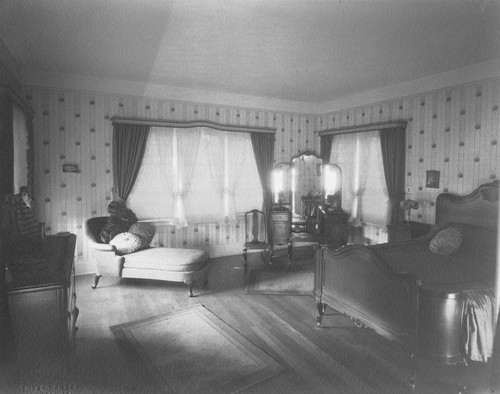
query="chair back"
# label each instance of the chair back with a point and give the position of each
(93, 227)
(255, 226)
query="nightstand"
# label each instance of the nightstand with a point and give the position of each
(403, 232)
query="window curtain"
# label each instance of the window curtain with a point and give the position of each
(236, 164)
(6, 147)
(364, 194)
(21, 145)
(186, 145)
(214, 141)
(326, 148)
(151, 197)
(129, 145)
(392, 142)
(263, 149)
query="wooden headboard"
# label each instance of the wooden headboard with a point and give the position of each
(479, 208)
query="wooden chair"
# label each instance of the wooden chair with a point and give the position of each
(256, 236)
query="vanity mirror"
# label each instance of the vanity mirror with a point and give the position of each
(306, 185)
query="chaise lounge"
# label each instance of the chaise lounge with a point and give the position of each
(157, 263)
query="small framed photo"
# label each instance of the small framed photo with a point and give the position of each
(70, 168)
(432, 180)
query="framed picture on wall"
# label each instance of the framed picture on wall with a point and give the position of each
(432, 179)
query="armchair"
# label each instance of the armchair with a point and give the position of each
(157, 263)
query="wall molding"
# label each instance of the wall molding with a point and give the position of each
(449, 79)
(118, 87)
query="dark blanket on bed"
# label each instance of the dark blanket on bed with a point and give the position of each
(470, 270)
(471, 267)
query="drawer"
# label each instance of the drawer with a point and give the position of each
(280, 217)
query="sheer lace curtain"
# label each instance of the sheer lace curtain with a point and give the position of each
(240, 162)
(186, 143)
(20, 131)
(364, 191)
(196, 175)
(151, 196)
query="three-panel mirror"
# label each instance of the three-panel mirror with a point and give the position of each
(305, 178)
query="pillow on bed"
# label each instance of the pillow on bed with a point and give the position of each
(145, 231)
(126, 243)
(446, 241)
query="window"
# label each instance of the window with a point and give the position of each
(198, 174)
(364, 190)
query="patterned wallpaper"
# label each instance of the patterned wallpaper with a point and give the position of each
(74, 127)
(454, 131)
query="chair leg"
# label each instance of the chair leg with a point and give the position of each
(190, 289)
(96, 280)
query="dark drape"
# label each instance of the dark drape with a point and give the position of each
(129, 145)
(263, 150)
(326, 148)
(31, 155)
(6, 147)
(392, 142)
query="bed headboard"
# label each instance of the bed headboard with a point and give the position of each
(479, 208)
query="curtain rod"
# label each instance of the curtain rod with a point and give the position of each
(191, 123)
(368, 127)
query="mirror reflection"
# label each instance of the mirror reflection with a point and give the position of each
(305, 184)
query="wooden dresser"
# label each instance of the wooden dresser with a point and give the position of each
(42, 294)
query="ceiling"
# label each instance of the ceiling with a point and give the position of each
(303, 50)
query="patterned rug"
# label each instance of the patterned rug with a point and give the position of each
(192, 351)
(296, 280)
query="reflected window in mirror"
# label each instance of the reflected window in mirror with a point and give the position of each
(332, 185)
(281, 184)
(306, 180)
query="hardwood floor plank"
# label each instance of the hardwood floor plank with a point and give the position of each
(336, 358)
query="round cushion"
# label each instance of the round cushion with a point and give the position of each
(126, 243)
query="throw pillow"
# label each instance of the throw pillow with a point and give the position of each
(126, 243)
(145, 231)
(446, 241)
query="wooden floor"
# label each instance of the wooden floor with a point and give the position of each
(336, 358)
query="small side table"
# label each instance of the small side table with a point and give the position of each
(281, 231)
(334, 227)
(404, 231)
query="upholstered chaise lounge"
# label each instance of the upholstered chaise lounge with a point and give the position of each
(158, 263)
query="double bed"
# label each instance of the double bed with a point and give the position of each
(436, 298)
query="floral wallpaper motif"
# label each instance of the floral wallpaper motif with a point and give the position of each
(454, 131)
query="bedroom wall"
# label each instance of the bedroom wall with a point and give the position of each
(453, 130)
(74, 127)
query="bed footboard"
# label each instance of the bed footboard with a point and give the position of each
(356, 281)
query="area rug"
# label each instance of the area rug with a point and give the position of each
(191, 351)
(294, 282)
